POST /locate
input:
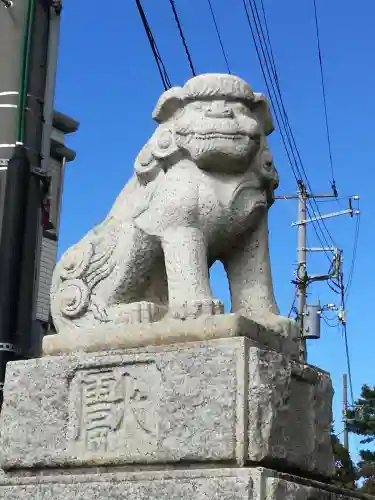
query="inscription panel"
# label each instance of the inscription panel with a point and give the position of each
(114, 409)
(163, 406)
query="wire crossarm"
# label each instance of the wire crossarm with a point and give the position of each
(349, 211)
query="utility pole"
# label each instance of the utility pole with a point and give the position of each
(302, 279)
(25, 28)
(309, 329)
(345, 410)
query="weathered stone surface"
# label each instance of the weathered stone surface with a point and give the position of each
(204, 484)
(174, 485)
(222, 400)
(289, 412)
(162, 406)
(201, 191)
(112, 337)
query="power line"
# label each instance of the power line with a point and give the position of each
(348, 363)
(320, 223)
(328, 323)
(268, 67)
(158, 59)
(270, 61)
(219, 37)
(293, 144)
(182, 36)
(354, 256)
(277, 92)
(269, 41)
(277, 102)
(274, 104)
(324, 92)
(292, 308)
(345, 335)
(279, 109)
(332, 282)
(277, 106)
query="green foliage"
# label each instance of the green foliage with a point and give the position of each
(368, 486)
(345, 470)
(366, 470)
(361, 421)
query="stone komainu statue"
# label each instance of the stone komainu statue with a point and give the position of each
(201, 191)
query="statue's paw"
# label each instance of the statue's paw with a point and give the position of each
(280, 325)
(139, 312)
(196, 308)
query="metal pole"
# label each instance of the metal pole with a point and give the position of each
(33, 138)
(24, 37)
(11, 250)
(345, 409)
(12, 26)
(301, 264)
(15, 175)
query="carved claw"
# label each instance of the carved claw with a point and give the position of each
(98, 309)
(196, 308)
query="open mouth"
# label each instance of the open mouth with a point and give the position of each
(219, 135)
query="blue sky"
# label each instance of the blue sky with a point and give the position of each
(108, 80)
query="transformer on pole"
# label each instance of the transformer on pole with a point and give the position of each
(311, 323)
(308, 316)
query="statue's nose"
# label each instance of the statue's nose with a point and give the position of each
(219, 111)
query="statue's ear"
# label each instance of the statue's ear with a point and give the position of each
(154, 155)
(262, 111)
(146, 165)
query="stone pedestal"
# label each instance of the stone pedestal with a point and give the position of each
(204, 420)
(227, 400)
(251, 483)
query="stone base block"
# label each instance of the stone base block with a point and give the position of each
(227, 400)
(171, 331)
(198, 484)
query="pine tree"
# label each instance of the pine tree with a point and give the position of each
(345, 470)
(366, 470)
(361, 421)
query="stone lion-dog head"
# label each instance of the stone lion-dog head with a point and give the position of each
(215, 120)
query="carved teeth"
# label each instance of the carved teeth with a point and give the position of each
(217, 135)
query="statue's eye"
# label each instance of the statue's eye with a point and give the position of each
(240, 108)
(268, 166)
(199, 106)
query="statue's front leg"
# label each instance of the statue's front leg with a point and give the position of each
(250, 281)
(189, 290)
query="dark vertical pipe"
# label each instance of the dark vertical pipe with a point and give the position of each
(34, 122)
(24, 33)
(11, 252)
